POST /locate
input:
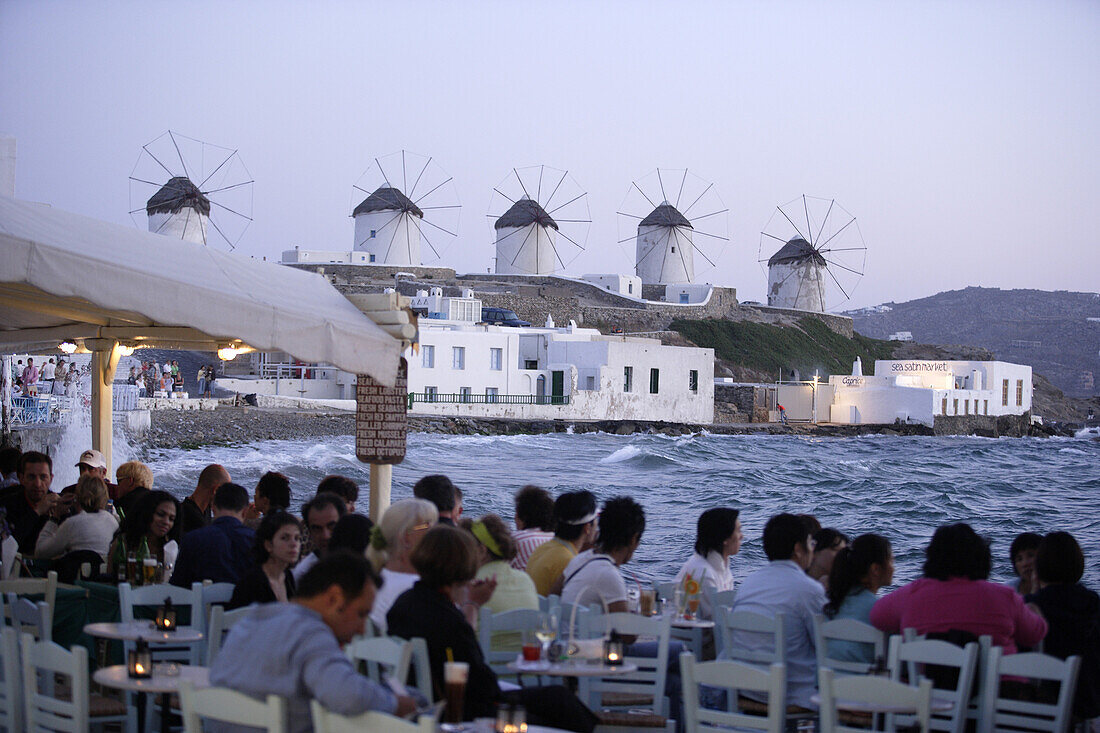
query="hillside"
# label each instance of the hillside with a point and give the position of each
(1051, 331)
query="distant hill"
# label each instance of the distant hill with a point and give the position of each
(1057, 333)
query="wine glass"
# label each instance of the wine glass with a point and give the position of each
(546, 629)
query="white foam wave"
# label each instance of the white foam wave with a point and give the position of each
(623, 454)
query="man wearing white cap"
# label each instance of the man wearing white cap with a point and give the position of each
(93, 462)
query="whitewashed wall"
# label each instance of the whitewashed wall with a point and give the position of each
(665, 257)
(396, 239)
(527, 250)
(186, 224)
(799, 285)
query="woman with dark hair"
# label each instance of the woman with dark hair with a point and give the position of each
(1073, 613)
(352, 532)
(955, 596)
(278, 544)
(272, 494)
(718, 535)
(446, 560)
(827, 543)
(1022, 556)
(153, 519)
(858, 572)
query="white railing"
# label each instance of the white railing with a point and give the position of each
(296, 371)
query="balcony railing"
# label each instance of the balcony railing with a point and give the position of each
(484, 399)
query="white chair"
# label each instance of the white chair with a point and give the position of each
(869, 693)
(976, 705)
(230, 706)
(393, 656)
(951, 661)
(732, 677)
(218, 626)
(151, 596)
(52, 710)
(617, 700)
(35, 618)
(850, 631)
(215, 594)
(752, 637)
(326, 722)
(11, 681)
(513, 623)
(46, 587)
(1001, 713)
(548, 602)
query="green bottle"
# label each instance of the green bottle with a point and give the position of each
(120, 559)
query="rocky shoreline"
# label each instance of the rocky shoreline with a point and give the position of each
(231, 425)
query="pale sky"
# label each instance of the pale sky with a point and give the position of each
(964, 136)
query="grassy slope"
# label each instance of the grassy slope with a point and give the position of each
(770, 349)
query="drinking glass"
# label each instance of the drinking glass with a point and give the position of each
(546, 629)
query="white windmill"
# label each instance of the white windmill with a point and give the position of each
(822, 256)
(409, 201)
(191, 190)
(668, 239)
(540, 221)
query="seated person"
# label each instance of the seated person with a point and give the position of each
(1022, 556)
(392, 542)
(1073, 613)
(534, 522)
(152, 520)
(278, 544)
(827, 543)
(221, 552)
(718, 535)
(343, 487)
(91, 529)
(446, 560)
(574, 531)
(859, 570)
(294, 649)
(320, 515)
(515, 590)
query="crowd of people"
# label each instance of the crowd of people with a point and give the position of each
(56, 377)
(426, 571)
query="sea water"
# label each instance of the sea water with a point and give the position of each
(900, 487)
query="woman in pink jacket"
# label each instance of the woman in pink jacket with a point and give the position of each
(954, 595)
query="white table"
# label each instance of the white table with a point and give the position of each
(570, 669)
(116, 676)
(694, 623)
(142, 631)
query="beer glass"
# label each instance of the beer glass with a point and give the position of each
(455, 675)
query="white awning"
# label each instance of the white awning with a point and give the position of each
(65, 276)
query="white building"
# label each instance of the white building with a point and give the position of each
(326, 257)
(569, 373)
(179, 209)
(630, 285)
(387, 228)
(900, 336)
(526, 240)
(665, 253)
(796, 277)
(919, 391)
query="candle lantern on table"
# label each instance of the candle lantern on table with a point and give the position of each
(139, 663)
(166, 616)
(613, 650)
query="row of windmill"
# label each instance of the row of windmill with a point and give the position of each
(408, 212)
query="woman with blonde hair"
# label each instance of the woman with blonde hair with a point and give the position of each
(90, 529)
(392, 541)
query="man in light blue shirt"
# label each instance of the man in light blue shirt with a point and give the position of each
(782, 586)
(294, 649)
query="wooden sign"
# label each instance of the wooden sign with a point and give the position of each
(381, 422)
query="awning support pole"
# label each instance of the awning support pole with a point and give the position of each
(381, 479)
(105, 356)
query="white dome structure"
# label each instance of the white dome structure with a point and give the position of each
(665, 251)
(387, 225)
(179, 209)
(797, 277)
(526, 241)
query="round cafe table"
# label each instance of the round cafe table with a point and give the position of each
(692, 623)
(570, 669)
(142, 631)
(162, 684)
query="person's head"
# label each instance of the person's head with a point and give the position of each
(132, 475)
(352, 532)
(575, 516)
(534, 509)
(622, 522)
(93, 462)
(341, 588)
(788, 537)
(154, 515)
(439, 490)
(210, 479)
(9, 461)
(492, 534)
(272, 492)
(957, 551)
(1022, 553)
(321, 513)
(812, 522)
(91, 493)
(230, 500)
(718, 530)
(35, 475)
(827, 543)
(446, 556)
(30, 361)
(1059, 559)
(403, 525)
(280, 536)
(343, 487)
(868, 562)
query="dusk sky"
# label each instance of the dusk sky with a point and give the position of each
(964, 136)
